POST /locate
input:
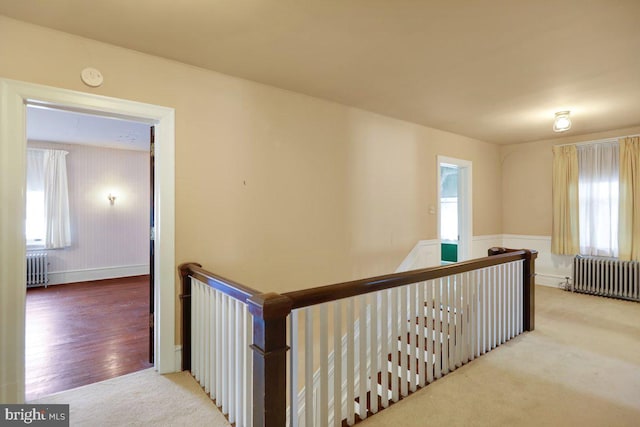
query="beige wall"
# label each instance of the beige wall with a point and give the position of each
(274, 189)
(526, 185)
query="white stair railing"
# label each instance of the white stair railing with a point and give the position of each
(392, 342)
(221, 357)
(355, 347)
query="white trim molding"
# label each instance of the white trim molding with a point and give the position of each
(551, 270)
(91, 274)
(14, 96)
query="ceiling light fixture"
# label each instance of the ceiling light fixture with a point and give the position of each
(562, 121)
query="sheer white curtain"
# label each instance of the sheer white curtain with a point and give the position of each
(598, 176)
(47, 173)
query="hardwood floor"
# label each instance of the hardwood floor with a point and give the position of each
(82, 333)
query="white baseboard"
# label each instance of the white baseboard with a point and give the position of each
(550, 280)
(87, 275)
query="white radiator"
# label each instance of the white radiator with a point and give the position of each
(607, 277)
(37, 269)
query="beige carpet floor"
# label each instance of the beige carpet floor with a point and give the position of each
(580, 367)
(144, 398)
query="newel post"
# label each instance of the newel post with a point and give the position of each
(528, 284)
(270, 313)
(529, 290)
(185, 298)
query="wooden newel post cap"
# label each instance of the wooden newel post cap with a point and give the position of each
(269, 305)
(185, 267)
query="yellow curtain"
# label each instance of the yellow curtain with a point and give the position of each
(565, 234)
(629, 224)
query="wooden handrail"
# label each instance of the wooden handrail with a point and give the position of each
(227, 286)
(322, 294)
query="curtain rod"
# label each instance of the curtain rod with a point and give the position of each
(598, 141)
(46, 149)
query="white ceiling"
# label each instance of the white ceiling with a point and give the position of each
(495, 70)
(51, 125)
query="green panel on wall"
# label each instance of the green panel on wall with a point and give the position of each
(449, 252)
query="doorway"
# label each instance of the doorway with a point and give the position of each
(14, 96)
(454, 209)
(87, 318)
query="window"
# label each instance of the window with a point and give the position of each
(47, 221)
(35, 224)
(598, 198)
(595, 198)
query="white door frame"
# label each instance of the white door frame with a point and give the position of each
(465, 207)
(14, 96)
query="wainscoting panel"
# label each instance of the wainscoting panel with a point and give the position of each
(551, 270)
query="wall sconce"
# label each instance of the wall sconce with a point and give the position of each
(112, 199)
(562, 121)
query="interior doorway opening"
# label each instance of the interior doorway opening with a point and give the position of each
(87, 317)
(449, 236)
(454, 209)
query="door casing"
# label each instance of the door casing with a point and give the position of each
(14, 97)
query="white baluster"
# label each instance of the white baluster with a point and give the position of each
(350, 363)
(219, 346)
(224, 362)
(445, 325)
(493, 309)
(430, 329)
(248, 369)
(294, 368)
(239, 357)
(206, 321)
(465, 306)
(308, 366)
(519, 294)
(373, 346)
(231, 349)
(499, 298)
(420, 301)
(362, 351)
(194, 327)
(384, 346)
(413, 345)
(395, 318)
(438, 350)
(452, 322)
(214, 342)
(337, 363)
(459, 346)
(505, 308)
(324, 366)
(404, 368)
(512, 288)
